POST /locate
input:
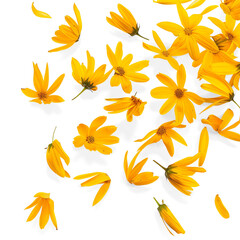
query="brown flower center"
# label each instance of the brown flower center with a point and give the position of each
(135, 100)
(188, 31)
(161, 130)
(120, 71)
(179, 93)
(230, 36)
(42, 95)
(165, 53)
(90, 139)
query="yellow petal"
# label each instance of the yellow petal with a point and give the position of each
(168, 143)
(57, 145)
(221, 208)
(87, 175)
(231, 135)
(44, 217)
(42, 195)
(134, 172)
(39, 13)
(78, 16)
(100, 178)
(127, 15)
(166, 81)
(168, 105)
(35, 211)
(96, 123)
(51, 212)
(203, 146)
(226, 118)
(171, 27)
(56, 84)
(101, 192)
(181, 76)
(29, 92)
(183, 15)
(196, 3)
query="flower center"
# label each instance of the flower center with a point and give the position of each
(161, 130)
(120, 71)
(230, 36)
(87, 84)
(90, 139)
(165, 53)
(188, 31)
(42, 95)
(135, 100)
(179, 93)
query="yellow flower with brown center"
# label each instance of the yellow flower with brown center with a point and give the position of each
(169, 219)
(133, 105)
(126, 22)
(54, 154)
(177, 96)
(221, 208)
(68, 34)
(43, 93)
(94, 138)
(87, 76)
(124, 70)
(132, 173)
(220, 125)
(165, 133)
(96, 179)
(231, 7)
(44, 202)
(166, 54)
(178, 174)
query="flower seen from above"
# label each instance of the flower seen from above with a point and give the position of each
(39, 13)
(44, 202)
(95, 179)
(43, 93)
(94, 138)
(221, 208)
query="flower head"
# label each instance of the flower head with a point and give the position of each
(177, 96)
(221, 208)
(165, 133)
(220, 125)
(43, 201)
(132, 173)
(126, 22)
(96, 178)
(95, 139)
(68, 35)
(231, 7)
(179, 174)
(168, 218)
(133, 105)
(124, 72)
(43, 93)
(87, 76)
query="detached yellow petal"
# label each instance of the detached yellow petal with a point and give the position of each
(203, 146)
(39, 13)
(221, 208)
(196, 3)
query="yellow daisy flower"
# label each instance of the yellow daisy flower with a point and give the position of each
(220, 125)
(97, 178)
(124, 72)
(133, 105)
(43, 93)
(165, 133)
(132, 173)
(87, 76)
(54, 154)
(231, 7)
(68, 35)
(177, 96)
(43, 201)
(166, 54)
(39, 13)
(95, 139)
(221, 208)
(126, 22)
(168, 218)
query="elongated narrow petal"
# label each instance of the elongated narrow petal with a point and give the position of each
(101, 192)
(39, 13)
(196, 3)
(203, 146)
(221, 208)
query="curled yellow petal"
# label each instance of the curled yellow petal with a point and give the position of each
(196, 3)
(221, 208)
(39, 13)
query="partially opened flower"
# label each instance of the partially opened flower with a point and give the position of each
(43, 93)
(94, 138)
(221, 208)
(133, 174)
(203, 146)
(126, 22)
(179, 174)
(220, 125)
(169, 2)
(231, 7)
(169, 219)
(68, 34)
(54, 154)
(95, 179)
(165, 133)
(177, 96)
(87, 76)
(44, 202)
(39, 13)
(166, 54)
(125, 72)
(133, 105)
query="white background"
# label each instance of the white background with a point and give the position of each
(127, 211)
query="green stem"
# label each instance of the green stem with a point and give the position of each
(54, 133)
(236, 103)
(160, 165)
(79, 93)
(142, 36)
(157, 201)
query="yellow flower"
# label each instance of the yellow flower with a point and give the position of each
(221, 208)
(43, 201)
(133, 105)
(231, 7)
(169, 2)
(126, 22)
(68, 35)
(124, 72)
(177, 96)
(168, 218)
(132, 173)
(97, 178)
(220, 125)
(86, 76)
(190, 34)
(179, 174)
(54, 154)
(165, 133)
(39, 13)
(43, 93)
(203, 146)
(95, 139)
(166, 54)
